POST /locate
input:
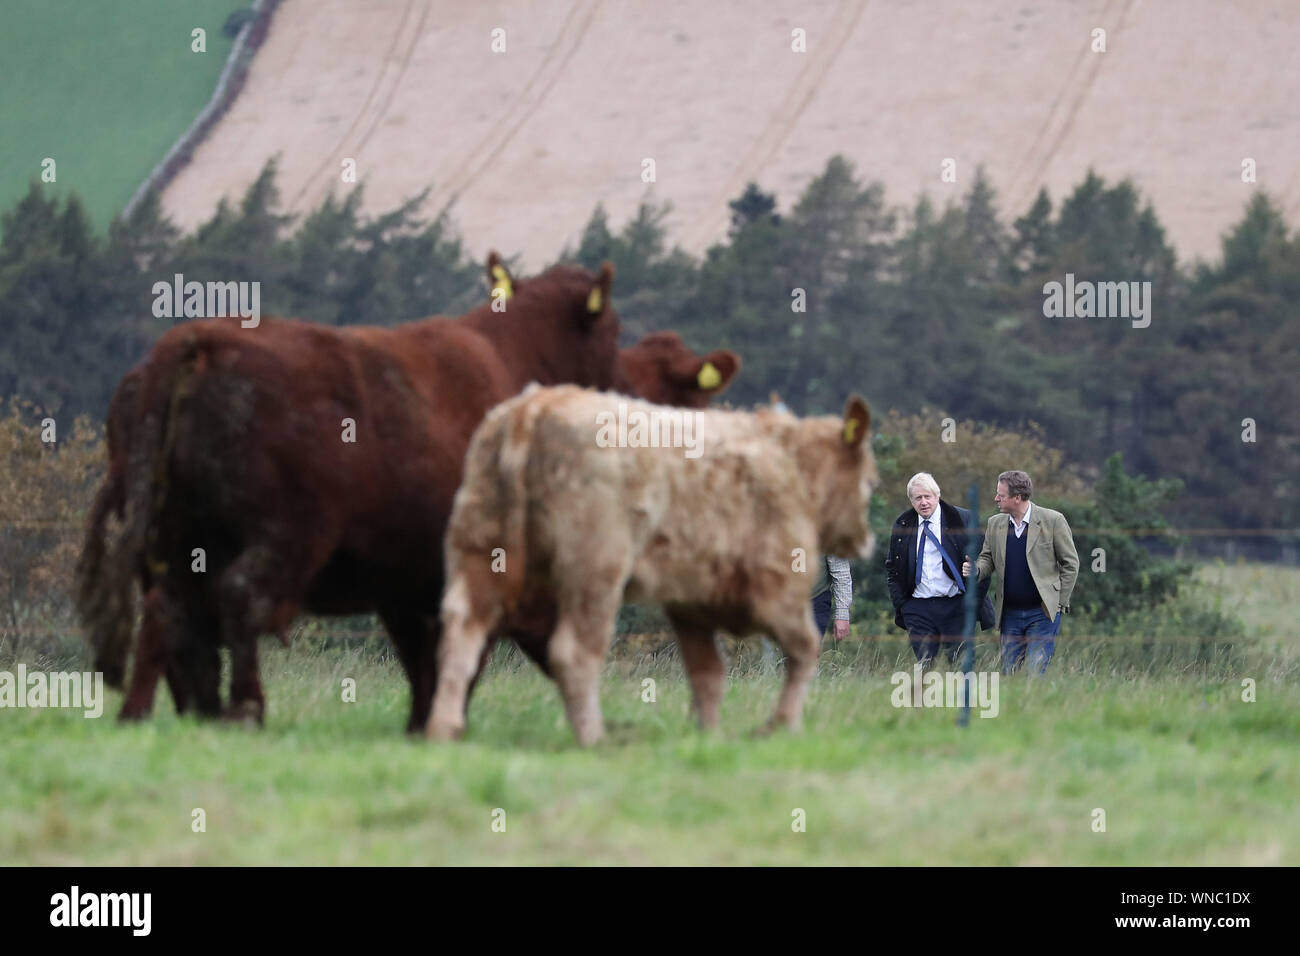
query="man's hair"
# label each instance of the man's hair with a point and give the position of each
(1018, 483)
(925, 480)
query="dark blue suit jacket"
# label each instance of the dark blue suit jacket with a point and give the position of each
(900, 562)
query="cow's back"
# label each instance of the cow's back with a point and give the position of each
(740, 507)
(294, 430)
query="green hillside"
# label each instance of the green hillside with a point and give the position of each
(102, 88)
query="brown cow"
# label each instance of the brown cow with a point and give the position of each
(661, 369)
(658, 363)
(315, 468)
(716, 514)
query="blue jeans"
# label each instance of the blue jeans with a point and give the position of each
(1032, 628)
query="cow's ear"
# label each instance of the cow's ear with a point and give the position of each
(598, 297)
(499, 276)
(714, 372)
(857, 421)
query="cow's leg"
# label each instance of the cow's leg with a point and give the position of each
(176, 684)
(470, 610)
(247, 701)
(152, 658)
(794, 630)
(195, 650)
(702, 659)
(483, 659)
(245, 610)
(416, 636)
(260, 592)
(180, 642)
(580, 645)
(422, 704)
(576, 667)
(587, 603)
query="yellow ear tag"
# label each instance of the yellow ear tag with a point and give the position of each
(850, 426)
(594, 300)
(502, 281)
(709, 377)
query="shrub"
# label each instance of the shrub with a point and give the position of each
(45, 492)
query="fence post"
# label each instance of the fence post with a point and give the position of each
(972, 609)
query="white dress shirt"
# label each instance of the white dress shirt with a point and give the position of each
(934, 580)
(1019, 529)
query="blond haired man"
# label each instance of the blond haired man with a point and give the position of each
(926, 546)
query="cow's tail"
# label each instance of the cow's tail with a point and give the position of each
(517, 427)
(104, 595)
(134, 490)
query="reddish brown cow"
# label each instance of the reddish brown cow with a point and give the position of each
(661, 369)
(314, 467)
(296, 518)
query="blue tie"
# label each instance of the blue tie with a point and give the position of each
(947, 559)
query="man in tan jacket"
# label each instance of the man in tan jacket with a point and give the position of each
(1033, 552)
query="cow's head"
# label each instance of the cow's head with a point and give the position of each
(844, 475)
(565, 319)
(662, 369)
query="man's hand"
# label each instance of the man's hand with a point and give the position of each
(965, 568)
(841, 630)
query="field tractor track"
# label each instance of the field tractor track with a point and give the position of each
(786, 116)
(376, 101)
(552, 67)
(1054, 131)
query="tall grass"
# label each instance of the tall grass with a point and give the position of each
(1160, 738)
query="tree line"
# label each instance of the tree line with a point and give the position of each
(916, 308)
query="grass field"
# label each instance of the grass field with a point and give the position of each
(1186, 772)
(1266, 598)
(102, 88)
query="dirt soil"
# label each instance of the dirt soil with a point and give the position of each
(526, 142)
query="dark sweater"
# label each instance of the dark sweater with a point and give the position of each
(1018, 590)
